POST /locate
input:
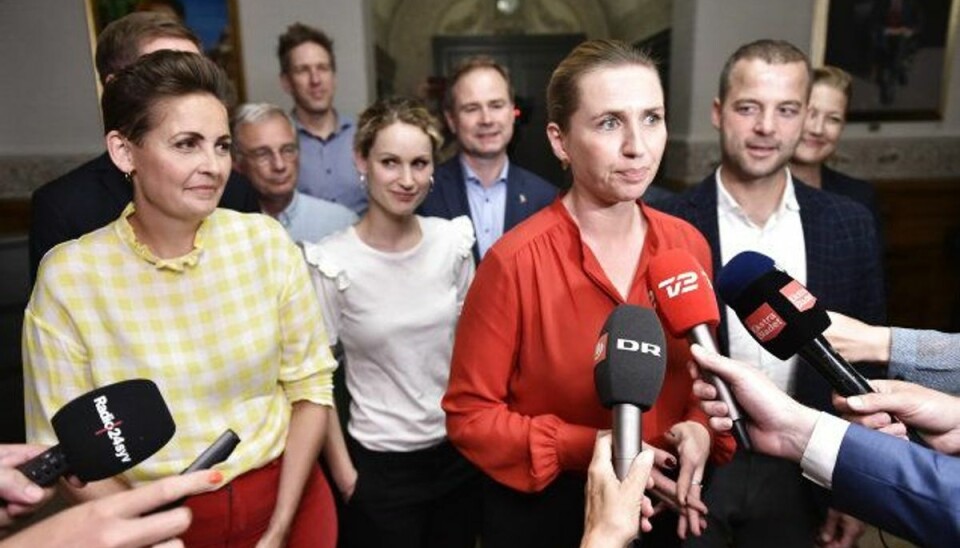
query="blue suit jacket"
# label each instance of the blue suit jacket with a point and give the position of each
(843, 262)
(527, 193)
(903, 488)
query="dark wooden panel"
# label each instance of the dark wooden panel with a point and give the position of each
(922, 229)
(14, 216)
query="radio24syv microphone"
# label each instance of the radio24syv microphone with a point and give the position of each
(683, 296)
(630, 361)
(104, 432)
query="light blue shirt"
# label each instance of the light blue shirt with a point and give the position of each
(488, 206)
(326, 166)
(310, 219)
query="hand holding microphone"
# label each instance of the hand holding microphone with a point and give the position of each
(785, 319)
(683, 296)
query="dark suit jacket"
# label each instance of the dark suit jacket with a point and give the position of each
(92, 196)
(857, 190)
(527, 193)
(843, 262)
(906, 489)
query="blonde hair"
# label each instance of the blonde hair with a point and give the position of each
(385, 113)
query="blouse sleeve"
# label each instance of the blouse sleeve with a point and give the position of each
(306, 364)
(463, 265)
(521, 451)
(56, 364)
(329, 279)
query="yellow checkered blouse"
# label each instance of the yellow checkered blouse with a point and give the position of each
(231, 333)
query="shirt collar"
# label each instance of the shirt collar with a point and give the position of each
(726, 203)
(177, 264)
(290, 212)
(471, 177)
(343, 123)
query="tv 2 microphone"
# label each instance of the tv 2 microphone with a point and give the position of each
(103, 433)
(630, 361)
(786, 319)
(683, 296)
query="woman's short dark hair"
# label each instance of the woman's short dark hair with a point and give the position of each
(130, 97)
(563, 91)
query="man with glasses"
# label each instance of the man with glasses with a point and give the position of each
(265, 149)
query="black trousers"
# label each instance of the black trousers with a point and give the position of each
(760, 501)
(421, 499)
(552, 518)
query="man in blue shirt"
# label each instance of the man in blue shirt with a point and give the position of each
(480, 181)
(308, 72)
(265, 150)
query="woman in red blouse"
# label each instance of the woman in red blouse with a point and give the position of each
(521, 402)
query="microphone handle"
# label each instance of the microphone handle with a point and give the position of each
(627, 424)
(842, 376)
(47, 467)
(701, 335)
(627, 434)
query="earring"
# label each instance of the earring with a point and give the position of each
(128, 177)
(564, 164)
(363, 180)
(431, 184)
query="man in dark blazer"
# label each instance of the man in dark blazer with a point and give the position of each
(480, 181)
(828, 242)
(95, 193)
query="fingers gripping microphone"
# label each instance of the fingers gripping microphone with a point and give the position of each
(104, 432)
(630, 360)
(784, 318)
(683, 296)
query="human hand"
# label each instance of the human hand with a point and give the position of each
(19, 495)
(122, 520)
(616, 510)
(840, 530)
(273, 538)
(692, 442)
(346, 481)
(857, 341)
(778, 425)
(935, 415)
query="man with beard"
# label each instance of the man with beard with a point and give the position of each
(308, 72)
(825, 241)
(481, 181)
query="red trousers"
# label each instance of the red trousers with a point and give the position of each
(237, 514)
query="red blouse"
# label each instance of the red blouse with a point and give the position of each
(521, 402)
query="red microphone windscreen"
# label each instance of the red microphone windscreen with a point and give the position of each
(681, 291)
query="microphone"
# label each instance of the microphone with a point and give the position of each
(103, 433)
(630, 362)
(785, 319)
(683, 296)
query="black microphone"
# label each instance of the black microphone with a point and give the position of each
(786, 319)
(103, 433)
(683, 296)
(630, 361)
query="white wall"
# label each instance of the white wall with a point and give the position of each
(48, 101)
(347, 22)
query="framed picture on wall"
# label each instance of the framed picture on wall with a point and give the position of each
(896, 51)
(214, 22)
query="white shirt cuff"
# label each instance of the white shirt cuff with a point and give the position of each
(820, 455)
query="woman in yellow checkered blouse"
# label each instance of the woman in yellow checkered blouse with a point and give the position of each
(216, 307)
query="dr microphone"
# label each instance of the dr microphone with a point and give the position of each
(103, 433)
(630, 361)
(683, 296)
